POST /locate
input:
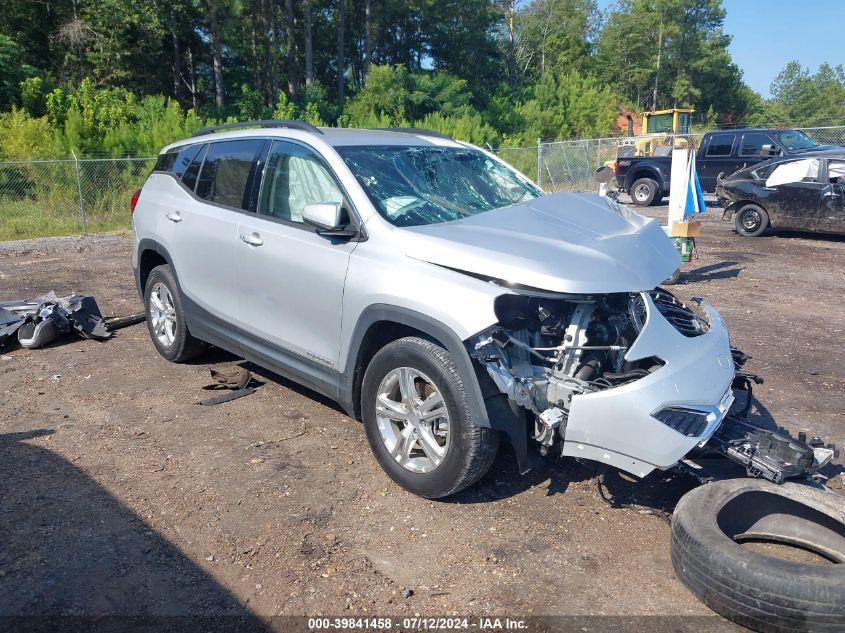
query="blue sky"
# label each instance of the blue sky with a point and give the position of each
(767, 34)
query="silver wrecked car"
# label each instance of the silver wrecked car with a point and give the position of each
(435, 293)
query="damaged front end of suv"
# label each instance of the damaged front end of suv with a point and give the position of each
(596, 359)
(633, 380)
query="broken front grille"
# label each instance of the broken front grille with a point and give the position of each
(674, 311)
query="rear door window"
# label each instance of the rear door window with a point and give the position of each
(721, 144)
(752, 143)
(227, 172)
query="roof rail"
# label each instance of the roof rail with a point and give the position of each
(414, 130)
(293, 125)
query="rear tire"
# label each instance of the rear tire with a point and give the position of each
(166, 318)
(644, 192)
(465, 451)
(751, 220)
(762, 591)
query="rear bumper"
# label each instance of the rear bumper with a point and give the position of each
(618, 427)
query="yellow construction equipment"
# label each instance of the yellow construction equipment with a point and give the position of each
(675, 121)
(662, 130)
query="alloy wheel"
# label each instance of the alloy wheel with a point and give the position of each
(163, 314)
(412, 419)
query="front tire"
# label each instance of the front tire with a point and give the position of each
(417, 420)
(166, 318)
(644, 192)
(751, 220)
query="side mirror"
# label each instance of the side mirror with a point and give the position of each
(329, 218)
(604, 174)
(326, 216)
(769, 150)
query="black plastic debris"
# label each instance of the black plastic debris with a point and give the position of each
(43, 320)
(232, 395)
(237, 379)
(10, 323)
(117, 322)
(87, 318)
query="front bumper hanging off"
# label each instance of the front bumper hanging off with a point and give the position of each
(770, 454)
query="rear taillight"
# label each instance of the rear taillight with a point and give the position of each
(134, 201)
(616, 168)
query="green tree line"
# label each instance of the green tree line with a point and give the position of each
(125, 77)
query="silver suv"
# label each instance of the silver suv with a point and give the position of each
(435, 293)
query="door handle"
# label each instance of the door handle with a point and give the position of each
(831, 194)
(769, 189)
(253, 239)
(173, 216)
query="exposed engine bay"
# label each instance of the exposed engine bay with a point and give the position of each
(548, 349)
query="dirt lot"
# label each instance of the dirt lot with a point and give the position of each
(119, 495)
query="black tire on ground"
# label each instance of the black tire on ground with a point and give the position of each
(644, 192)
(759, 591)
(472, 448)
(751, 220)
(184, 346)
(672, 279)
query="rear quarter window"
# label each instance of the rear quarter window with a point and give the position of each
(165, 162)
(762, 172)
(176, 161)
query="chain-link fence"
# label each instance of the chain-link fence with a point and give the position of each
(571, 165)
(66, 197)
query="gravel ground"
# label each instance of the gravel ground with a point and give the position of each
(119, 495)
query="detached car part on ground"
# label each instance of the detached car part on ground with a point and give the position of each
(806, 194)
(438, 295)
(35, 323)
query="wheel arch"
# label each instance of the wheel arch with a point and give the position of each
(150, 255)
(645, 172)
(733, 207)
(381, 324)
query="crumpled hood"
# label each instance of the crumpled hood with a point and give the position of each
(565, 242)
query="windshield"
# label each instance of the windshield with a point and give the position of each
(794, 140)
(411, 185)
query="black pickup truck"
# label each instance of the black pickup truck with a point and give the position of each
(646, 178)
